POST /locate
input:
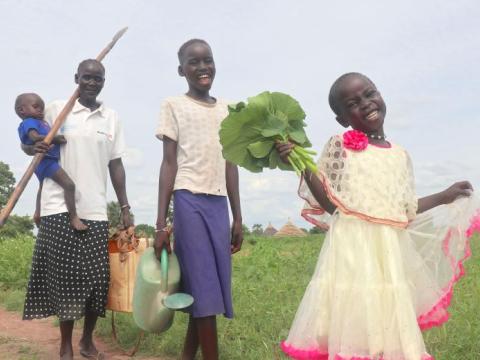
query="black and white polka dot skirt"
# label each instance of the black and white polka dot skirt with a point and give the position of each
(70, 270)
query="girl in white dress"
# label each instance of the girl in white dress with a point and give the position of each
(387, 267)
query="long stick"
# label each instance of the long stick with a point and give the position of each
(48, 139)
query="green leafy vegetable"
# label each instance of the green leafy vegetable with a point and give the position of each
(249, 132)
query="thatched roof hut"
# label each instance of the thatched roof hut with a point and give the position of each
(289, 229)
(269, 230)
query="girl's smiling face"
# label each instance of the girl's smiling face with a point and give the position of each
(360, 105)
(198, 68)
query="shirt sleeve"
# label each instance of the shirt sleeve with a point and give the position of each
(25, 126)
(118, 147)
(168, 125)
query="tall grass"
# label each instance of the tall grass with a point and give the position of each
(270, 276)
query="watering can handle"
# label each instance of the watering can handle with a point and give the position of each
(164, 269)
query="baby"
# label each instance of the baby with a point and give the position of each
(33, 128)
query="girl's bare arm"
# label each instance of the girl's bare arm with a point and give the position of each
(461, 188)
(168, 172)
(313, 182)
(234, 198)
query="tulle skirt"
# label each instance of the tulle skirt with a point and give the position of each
(375, 286)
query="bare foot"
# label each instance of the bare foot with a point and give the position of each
(66, 353)
(77, 224)
(89, 351)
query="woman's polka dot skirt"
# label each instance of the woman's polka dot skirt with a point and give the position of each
(70, 270)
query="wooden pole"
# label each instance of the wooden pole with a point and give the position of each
(60, 119)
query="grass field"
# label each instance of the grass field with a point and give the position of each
(270, 276)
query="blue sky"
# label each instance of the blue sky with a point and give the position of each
(423, 56)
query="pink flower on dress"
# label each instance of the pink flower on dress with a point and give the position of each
(355, 140)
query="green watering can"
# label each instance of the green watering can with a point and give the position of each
(155, 294)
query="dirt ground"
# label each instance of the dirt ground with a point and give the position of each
(39, 340)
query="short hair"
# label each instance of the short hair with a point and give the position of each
(20, 98)
(333, 94)
(90, 61)
(185, 45)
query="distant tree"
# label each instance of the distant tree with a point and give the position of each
(16, 226)
(144, 230)
(7, 183)
(246, 230)
(257, 229)
(304, 230)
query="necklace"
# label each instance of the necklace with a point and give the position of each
(377, 137)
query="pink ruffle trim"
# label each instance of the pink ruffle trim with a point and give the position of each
(316, 354)
(306, 214)
(438, 315)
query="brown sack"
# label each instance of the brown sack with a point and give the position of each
(124, 252)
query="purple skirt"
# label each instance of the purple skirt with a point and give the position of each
(202, 244)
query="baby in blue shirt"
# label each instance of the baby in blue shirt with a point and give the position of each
(33, 128)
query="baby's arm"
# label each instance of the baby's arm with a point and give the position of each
(312, 180)
(36, 137)
(462, 188)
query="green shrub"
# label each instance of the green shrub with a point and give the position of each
(15, 261)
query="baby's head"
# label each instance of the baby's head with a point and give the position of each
(196, 64)
(29, 105)
(356, 102)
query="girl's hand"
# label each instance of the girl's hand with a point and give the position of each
(461, 188)
(237, 236)
(162, 240)
(284, 149)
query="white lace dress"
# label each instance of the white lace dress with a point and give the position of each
(384, 273)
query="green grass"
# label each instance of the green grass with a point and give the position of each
(270, 276)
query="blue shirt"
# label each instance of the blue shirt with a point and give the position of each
(42, 128)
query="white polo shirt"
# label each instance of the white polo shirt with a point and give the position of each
(194, 125)
(93, 139)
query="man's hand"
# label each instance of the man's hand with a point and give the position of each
(59, 140)
(41, 147)
(126, 218)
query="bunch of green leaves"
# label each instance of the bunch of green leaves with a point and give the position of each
(249, 133)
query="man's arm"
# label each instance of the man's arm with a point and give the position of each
(118, 178)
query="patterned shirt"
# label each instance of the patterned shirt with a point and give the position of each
(194, 125)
